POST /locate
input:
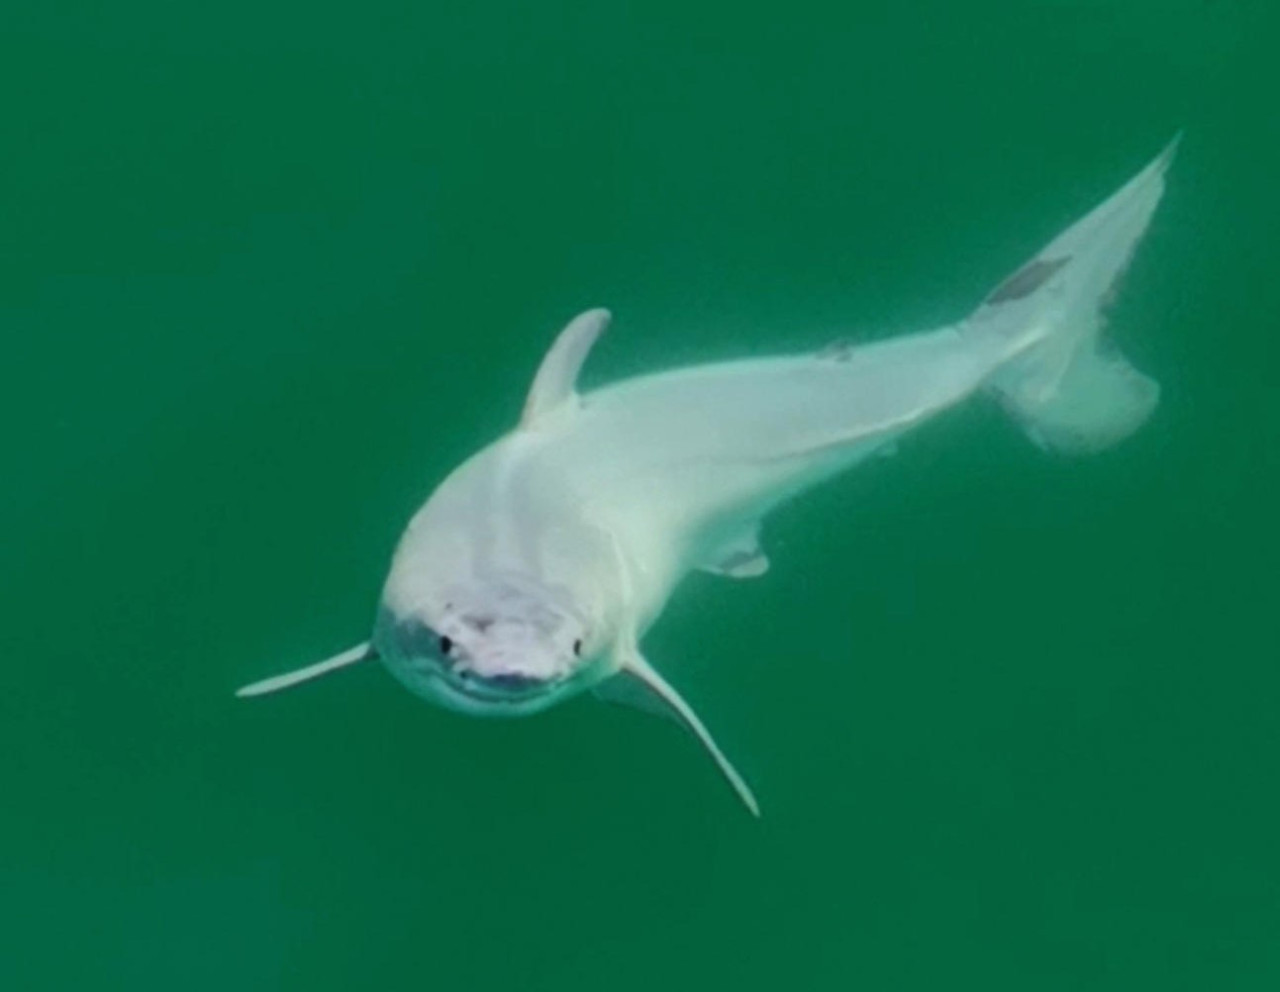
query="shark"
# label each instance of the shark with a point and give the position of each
(533, 571)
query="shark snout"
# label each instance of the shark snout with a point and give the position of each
(512, 669)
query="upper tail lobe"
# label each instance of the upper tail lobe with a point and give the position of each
(1072, 390)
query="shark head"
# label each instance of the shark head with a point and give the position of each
(488, 649)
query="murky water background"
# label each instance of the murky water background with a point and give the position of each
(268, 271)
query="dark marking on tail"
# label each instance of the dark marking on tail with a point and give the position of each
(1026, 280)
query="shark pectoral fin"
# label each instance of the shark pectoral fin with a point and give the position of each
(553, 385)
(624, 689)
(639, 684)
(359, 653)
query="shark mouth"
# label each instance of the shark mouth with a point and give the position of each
(502, 687)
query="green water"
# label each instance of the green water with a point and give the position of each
(269, 270)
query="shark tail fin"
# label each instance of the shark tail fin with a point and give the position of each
(1070, 389)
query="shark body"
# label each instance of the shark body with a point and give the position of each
(533, 571)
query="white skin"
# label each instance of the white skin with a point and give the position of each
(534, 570)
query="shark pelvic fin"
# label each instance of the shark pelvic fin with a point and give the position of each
(740, 558)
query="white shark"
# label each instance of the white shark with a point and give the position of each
(534, 570)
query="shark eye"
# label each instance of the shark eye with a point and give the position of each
(446, 644)
(577, 648)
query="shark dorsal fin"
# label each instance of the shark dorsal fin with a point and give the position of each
(553, 386)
